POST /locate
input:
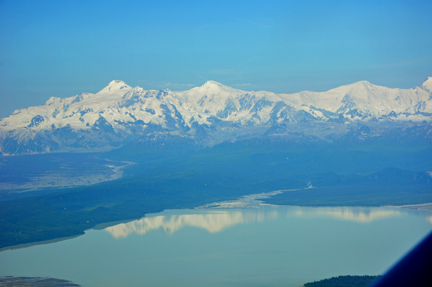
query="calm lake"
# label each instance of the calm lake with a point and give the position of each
(267, 246)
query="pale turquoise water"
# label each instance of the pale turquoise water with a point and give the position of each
(281, 246)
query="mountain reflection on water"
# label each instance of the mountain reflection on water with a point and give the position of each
(212, 222)
(216, 221)
(347, 213)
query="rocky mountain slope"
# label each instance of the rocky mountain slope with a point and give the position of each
(213, 113)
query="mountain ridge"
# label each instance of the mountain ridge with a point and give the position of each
(208, 114)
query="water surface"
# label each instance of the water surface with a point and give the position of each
(271, 246)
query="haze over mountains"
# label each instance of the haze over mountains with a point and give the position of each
(213, 113)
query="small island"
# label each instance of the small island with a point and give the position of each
(7, 281)
(344, 281)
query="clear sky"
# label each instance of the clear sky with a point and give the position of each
(60, 48)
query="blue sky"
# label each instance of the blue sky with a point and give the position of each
(61, 48)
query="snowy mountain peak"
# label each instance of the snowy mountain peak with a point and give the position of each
(52, 101)
(116, 85)
(215, 87)
(363, 84)
(212, 83)
(427, 85)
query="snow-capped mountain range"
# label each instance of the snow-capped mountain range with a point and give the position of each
(207, 115)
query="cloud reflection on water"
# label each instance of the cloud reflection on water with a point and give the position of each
(216, 221)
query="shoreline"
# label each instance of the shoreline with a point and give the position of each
(421, 206)
(251, 201)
